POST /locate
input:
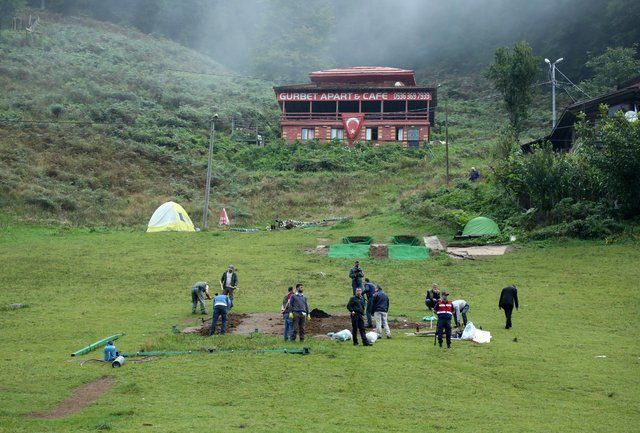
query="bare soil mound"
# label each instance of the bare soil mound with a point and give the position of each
(80, 398)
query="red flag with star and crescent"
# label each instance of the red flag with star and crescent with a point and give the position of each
(352, 124)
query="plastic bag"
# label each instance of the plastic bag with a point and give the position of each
(343, 335)
(372, 337)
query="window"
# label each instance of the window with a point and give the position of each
(399, 133)
(307, 134)
(337, 133)
(372, 134)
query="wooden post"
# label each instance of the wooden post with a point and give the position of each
(446, 139)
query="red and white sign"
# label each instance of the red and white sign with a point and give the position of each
(355, 96)
(352, 124)
(224, 219)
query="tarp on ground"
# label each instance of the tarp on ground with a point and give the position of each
(348, 251)
(365, 240)
(408, 252)
(405, 240)
(481, 226)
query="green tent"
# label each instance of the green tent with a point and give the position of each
(405, 240)
(408, 252)
(363, 240)
(481, 226)
(348, 251)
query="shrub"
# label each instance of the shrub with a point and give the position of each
(56, 110)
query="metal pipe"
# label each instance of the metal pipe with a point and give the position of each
(118, 362)
(97, 344)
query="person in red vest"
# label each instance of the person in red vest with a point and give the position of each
(444, 311)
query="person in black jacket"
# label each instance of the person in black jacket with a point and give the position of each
(380, 311)
(432, 296)
(508, 299)
(356, 307)
(229, 282)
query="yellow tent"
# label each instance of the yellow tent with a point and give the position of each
(170, 217)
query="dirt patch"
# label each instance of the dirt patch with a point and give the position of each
(233, 322)
(80, 398)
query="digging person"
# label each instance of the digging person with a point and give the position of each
(299, 312)
(380, 310)
(432, 297)
(508, 299)
(286, 310)
(198, 292)
(356, 307)
(229, 283)
(460, 308)
(444, 311)
(369, 290)
(356, 274)
(221, 306)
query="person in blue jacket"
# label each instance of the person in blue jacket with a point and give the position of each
(369, 290)
(221, 305)
(110, 352)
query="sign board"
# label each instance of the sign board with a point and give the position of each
(355, 96)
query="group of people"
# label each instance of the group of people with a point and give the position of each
(445, 309)
(368, 301)
(222, 302)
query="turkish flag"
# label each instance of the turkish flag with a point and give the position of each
(352, 124)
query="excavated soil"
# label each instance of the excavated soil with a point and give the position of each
(80, 398)
(272, 324)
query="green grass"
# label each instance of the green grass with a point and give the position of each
(578, 300)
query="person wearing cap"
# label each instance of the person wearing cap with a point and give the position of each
(432, 297)
(229, 283)
(110, 352)
(460, 308)
(285, 310)
(198, 291)
(356, 307)
(221, 306)
(444, 311)
(380, 311)
(508, 299)
(356, 274)
(368, 291)
(299, 312)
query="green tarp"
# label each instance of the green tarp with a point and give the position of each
(408, 252)
(481, 226)
(364, 240)
(348, 251)
(405, 240)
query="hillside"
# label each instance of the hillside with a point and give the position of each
(98, 126)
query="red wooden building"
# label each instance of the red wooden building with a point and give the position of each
(372, 104)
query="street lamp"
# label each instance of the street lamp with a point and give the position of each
(552, 67)
(207, 188)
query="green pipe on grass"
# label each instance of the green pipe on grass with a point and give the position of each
(97, 344)
(302, 351)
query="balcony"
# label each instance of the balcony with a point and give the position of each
(417, 116)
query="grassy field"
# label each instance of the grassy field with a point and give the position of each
(81, 285)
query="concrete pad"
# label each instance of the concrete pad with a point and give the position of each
(479, 251)
(433, 243)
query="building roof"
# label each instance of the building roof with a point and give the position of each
(364, 74)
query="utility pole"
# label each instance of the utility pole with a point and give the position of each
(552, 67)
(207, 188)
(446, 139)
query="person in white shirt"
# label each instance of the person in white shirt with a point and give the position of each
(229, 282)
(460, 308)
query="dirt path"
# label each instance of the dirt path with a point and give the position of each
(80, 398)
(267, 323)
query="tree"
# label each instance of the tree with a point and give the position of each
(8, 8)
(513, 74)
(613, 66)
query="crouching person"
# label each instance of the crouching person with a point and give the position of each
(221, 305)
(198, 292)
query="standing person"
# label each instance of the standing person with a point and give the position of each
(285, 310)
(229, 283)
(221, 305)
(432, 296)
(356, 307)
(369, 290)
(508, 299)
(198, 290)
(356, 274)
(444, 310)
(460, 308)
(380, 310)
(300, 310)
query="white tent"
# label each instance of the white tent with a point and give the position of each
(170, 217)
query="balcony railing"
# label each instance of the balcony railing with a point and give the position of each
(333, 117)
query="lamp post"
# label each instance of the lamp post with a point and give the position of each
(207, 188)
(552, 68)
